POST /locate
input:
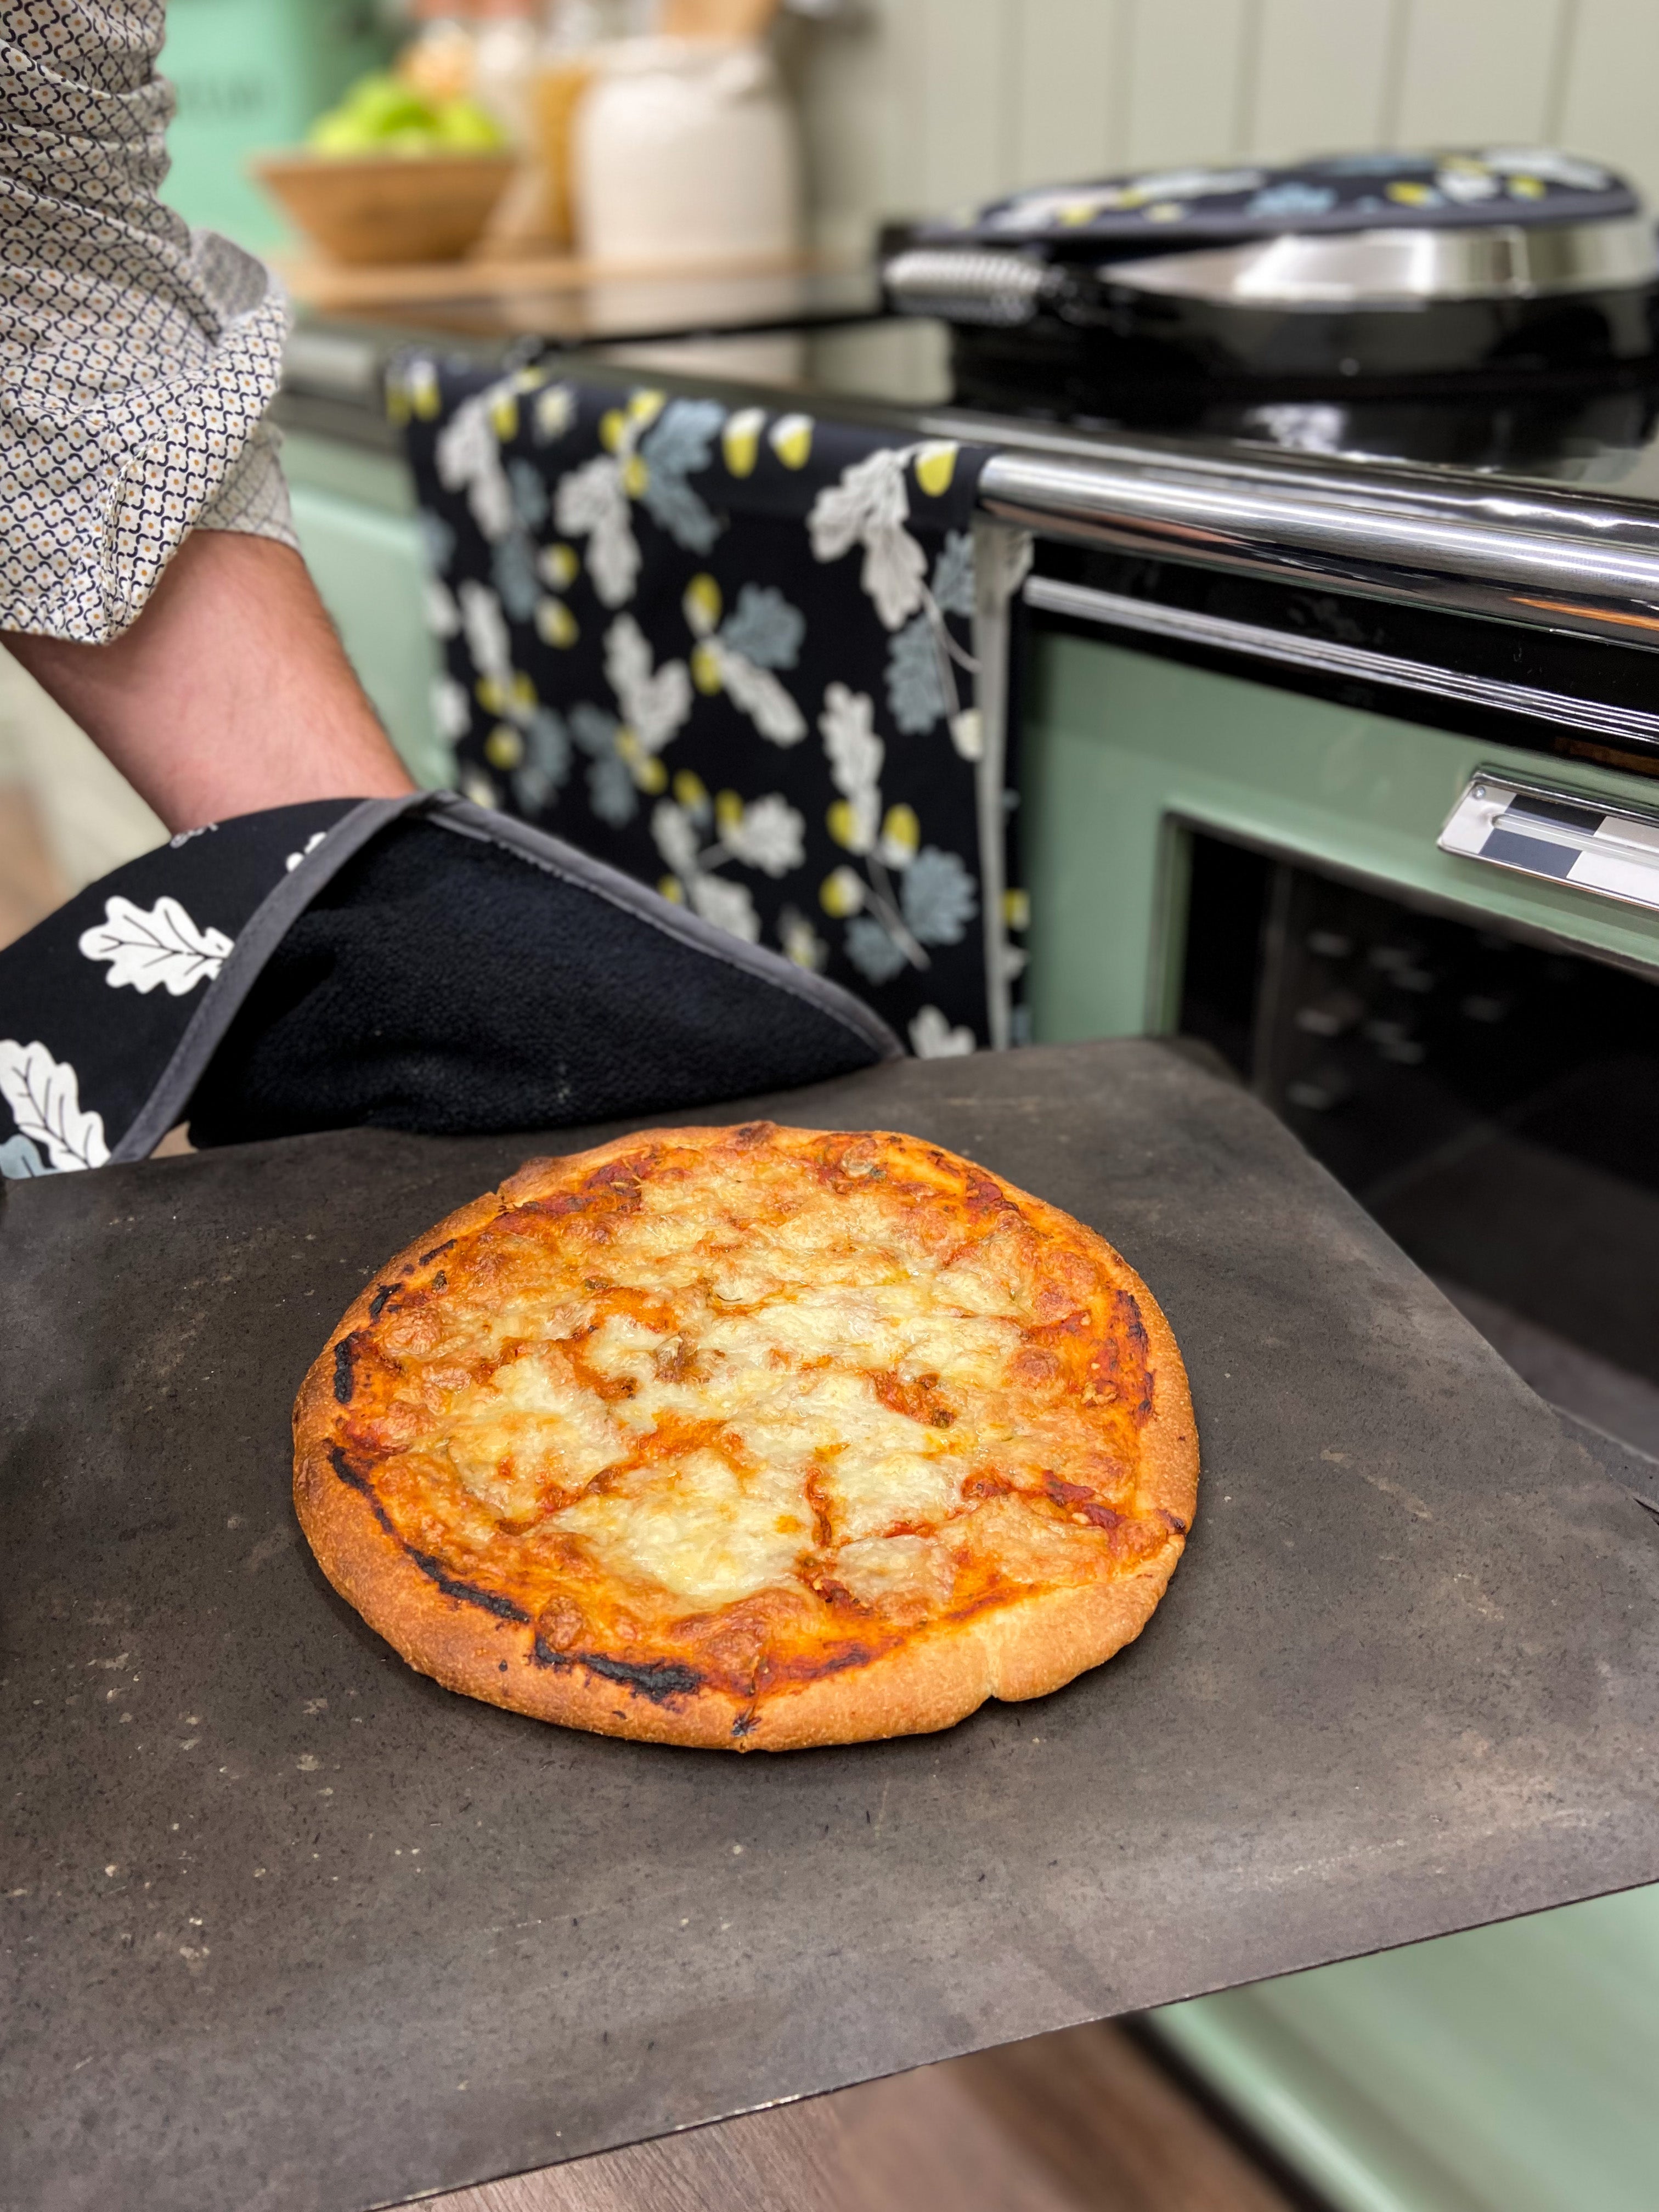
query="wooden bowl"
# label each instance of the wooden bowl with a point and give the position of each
(387, 207)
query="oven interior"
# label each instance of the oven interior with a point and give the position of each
(1492, 1103)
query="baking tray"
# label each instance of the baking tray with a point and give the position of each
(287, 1926)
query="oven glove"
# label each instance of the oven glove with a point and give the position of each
(417, 964)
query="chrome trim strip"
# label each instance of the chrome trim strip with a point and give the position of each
(1357, 268)
(1563, 795)
(1204, 518)
(1398, 486)
(1001, 558)
(1601, 581)
(1325, 656)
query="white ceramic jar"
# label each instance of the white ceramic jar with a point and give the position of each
(685, 149)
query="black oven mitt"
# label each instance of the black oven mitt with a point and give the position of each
(416, 963)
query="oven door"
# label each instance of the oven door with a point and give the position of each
(1126, 750)
(1470, 1039)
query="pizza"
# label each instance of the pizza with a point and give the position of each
(753, 1437)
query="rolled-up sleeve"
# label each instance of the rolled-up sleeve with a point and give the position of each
(136, 357)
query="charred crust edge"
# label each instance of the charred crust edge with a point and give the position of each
(467, 1593)
(662, 1681)
(356, 1477)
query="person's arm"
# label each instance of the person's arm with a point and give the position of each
(148, 574)
(229, 692)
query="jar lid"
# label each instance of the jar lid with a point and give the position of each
(655, 56)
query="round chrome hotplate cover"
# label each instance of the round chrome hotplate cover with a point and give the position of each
(1402, 267)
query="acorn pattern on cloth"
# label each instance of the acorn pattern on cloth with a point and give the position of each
(730, 651)
(136, 357)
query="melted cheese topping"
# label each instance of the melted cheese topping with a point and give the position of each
(751, 1407)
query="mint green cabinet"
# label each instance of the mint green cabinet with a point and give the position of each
(251, 76)
(1509, 2070)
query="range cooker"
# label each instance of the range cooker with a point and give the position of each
(1373, 433)
(1338, 712)
(1334, 675)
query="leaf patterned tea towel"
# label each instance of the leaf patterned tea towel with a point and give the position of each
(733, 652)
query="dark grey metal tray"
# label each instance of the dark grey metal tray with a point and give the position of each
(287, 1926)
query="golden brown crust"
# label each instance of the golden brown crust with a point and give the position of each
(480, 1638)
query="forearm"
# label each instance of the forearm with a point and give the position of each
(229, 692)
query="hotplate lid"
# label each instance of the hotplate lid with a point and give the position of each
(1153, 211)
(1513, 270)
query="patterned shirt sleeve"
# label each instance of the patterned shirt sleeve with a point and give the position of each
(136, 357)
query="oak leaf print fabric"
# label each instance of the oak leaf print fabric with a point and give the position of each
(157, 948)
(97, 999)
(44, 1094)
(731, 652)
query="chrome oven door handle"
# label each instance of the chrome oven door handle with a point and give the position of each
(1564, 836)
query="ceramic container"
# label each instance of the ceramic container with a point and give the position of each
(685, 149)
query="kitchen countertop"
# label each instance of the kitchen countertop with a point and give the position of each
(287, 1926)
